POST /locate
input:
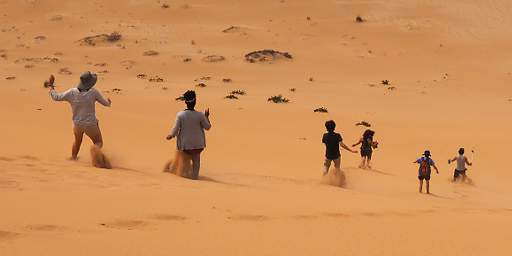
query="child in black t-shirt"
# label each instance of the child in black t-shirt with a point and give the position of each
(332, 141)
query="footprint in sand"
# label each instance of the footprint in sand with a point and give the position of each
(125, 224)
(28, 157)
(336, 215)
(249, 217)
(371, 214)
(169, 217)
(6, 235)
(8, 184)
(305, 217)
(6, 159)
(43, 227)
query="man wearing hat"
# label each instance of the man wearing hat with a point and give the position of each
(82, 100)
(189, 131)
(424, 171)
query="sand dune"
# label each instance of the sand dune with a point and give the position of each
(261, 191)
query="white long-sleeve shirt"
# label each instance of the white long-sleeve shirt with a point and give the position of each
(82, 104)
(189, 130)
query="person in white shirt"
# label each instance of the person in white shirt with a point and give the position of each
(460, 170)
(189, 131)
(82, 100)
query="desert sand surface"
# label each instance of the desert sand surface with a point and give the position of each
(449, 68)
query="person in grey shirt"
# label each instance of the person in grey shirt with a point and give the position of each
(461, 169)
(189, 131)
(82, 100)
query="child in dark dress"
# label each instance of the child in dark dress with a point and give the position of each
(367, 146)
(332, 141)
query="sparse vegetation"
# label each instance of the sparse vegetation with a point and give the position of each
(293, 90)
(116, 90)
(230, 29)
(231, 97)
(321, 110)
(156, 79)
(266, 55)
(227, 80)
(214, 58)
(238, 92)
(65, 71)
(385, 82)
(93, 40)
(278, 99)
(364, 123)
(359, 19)
(150, 53)
(202, 85)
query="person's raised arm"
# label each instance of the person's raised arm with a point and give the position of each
(205, 122)
(175, 130)
(347, 148)
(359, 142)
(102, 101)
(63, 96)
(50, 83)
(467, 162)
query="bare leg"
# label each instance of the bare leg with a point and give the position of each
(362, 162)
(95, 135)
(327, 164)
(428, 187)
(368, 163)
(98, 158)
(421, 186)
(172, 165)
(196, 165)
(79, 134)
(337, 166)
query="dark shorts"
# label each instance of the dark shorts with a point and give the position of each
(457, 173)
(424, 176)
(366, 153)
(193, 151)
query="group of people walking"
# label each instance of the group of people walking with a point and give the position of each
(189, 127)
(334, 140)
(189, 131)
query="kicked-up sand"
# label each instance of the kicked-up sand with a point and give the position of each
(425, 74)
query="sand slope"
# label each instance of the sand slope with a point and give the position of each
(261, 191)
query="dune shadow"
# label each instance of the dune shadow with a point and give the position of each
(439, 196)
(209, 179)
(379, 172)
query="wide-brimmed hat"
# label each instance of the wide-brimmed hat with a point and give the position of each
(87, 80)
(427, 153)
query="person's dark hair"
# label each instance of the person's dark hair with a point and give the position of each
(427, 154)
(461, 151)
(368, 134)
(330, 126)
(190, 99)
